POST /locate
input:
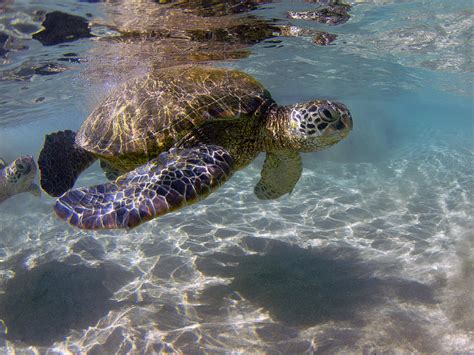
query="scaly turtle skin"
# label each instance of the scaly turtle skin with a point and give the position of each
(176, 135)
(17, 177)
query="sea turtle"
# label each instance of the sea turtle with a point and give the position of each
(17, 177)
(176, 135)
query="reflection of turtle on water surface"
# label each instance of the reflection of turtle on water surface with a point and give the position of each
(210, 26)
(17, 177)
(185, 130)
(334, 13)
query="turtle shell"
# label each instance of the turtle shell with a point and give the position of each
(149, 115)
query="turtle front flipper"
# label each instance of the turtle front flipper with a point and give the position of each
(173, 180)
(61, 161)
(280, 173)
(2, 163)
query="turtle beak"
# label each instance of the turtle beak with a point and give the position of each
(28, 169)
(347, 121)
(344, 124)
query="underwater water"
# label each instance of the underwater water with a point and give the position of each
(372, 252)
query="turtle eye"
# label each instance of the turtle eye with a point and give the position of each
(21, 167)
(328, 114)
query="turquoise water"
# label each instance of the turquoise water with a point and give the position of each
(373, 251)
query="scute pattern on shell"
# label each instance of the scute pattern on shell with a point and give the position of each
(149, 115)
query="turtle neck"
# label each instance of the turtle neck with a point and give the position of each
(275, 127)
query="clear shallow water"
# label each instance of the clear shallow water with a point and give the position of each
(372, 252)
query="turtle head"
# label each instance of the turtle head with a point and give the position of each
(21, 172)
(315, 125)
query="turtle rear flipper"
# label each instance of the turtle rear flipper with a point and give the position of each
(172, 181)
(280, 173)
(61, 161)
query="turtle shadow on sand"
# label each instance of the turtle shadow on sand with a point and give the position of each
(305, 287)
(41, 305)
